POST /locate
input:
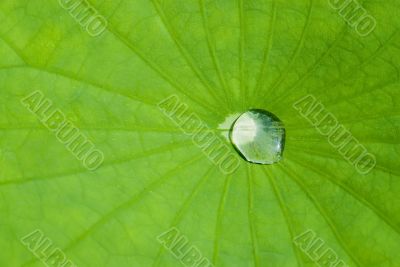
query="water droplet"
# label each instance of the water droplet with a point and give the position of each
(258, 136)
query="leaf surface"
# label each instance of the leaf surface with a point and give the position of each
(221, 57)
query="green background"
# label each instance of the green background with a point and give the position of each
(221, 57)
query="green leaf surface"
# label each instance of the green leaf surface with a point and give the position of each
(221, 57)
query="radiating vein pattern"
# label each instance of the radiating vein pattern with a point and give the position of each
(221, 58)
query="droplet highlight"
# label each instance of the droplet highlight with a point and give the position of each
(258, 136)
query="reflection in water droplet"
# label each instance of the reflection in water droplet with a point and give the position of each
(258, 136)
